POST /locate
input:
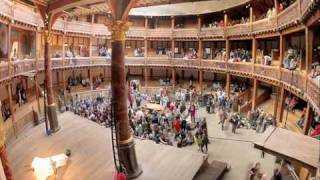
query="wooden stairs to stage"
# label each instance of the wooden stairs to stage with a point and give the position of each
(213, 171)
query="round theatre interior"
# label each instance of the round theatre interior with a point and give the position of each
(160, 89)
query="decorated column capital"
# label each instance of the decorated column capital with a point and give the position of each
(118, 29)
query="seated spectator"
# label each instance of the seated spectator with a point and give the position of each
(291, 60)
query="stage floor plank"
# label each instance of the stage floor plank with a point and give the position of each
(92, 153)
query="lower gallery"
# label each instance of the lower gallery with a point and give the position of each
(160, 90)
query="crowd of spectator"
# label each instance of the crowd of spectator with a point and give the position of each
(240, 55)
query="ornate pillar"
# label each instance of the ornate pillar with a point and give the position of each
(3, 153)
(254, 94)
(51, 106)
(126, 151)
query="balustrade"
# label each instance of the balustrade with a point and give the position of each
(136, 32)
(263, 25)
(289, 15)
(160, 33)
(267, 71)
(5, 8)
(304, 5)
(313, 91)
(158, 61)
(135, 61)
(23, 66)
(212, 32)
(186, 62)
(240, 67)
(238, 29)
(185, 33)
(26, 15)
(100, 60)
(213, 64)
(4, 71)
(293, 78)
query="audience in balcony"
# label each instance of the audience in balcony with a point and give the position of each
(164, 51)
(291, 60)
(267, 60)
(104, 51)
(239, 55)
(315, 68)
(191, 54)
(138, 52)
(214, 24)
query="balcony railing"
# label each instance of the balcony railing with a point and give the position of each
(213, 64)
(185, 33)
(186, 62)
(159, 33)
(6, 8)
(26, 15)
(238, 29)
(135, 61)
(212, 32)
(240, 67)
(158, 61)
(294, 78)
(23, 66)
(313, 91)
(4, 71)
(136, 32)
(289, 15)
(264, 25)
(267, 71)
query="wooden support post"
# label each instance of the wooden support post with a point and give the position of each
(228, 45)
(254, 94)
(309, 46)
(91, 78)
(145, 70)
(282, 49)
(228, 81)
(307, 119)
(281, 105)
(254, 50)
(251, 17)
(200, 50)
(276, 103)
(172, 50)
(10, 67)
(36, 77)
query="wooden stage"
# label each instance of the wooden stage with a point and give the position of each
(91, 157)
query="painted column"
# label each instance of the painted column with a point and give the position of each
(51, 106)
(127, 154)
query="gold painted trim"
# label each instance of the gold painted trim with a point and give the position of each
(126, 141)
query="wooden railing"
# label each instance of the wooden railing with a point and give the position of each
(5, 8)
(186, 62)
(289, 15)
(213, 64)
(4, 71)
(238, 29)
(212, 32)
(185, 33)
(267, 71)
(263, 25)
(23, 66)
(159, 33)
(136, 32)
(294, 78)
(135, 61)
(28, 15)
(240, 67)
(313, 92)
(158, 61)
